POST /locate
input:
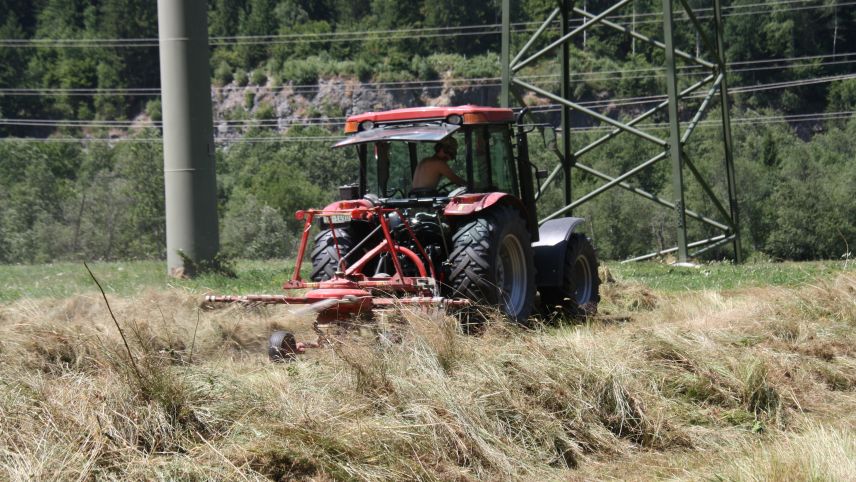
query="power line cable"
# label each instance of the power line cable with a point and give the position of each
(336, 121)
(753, 121)
(359, 36)
(484, 26)
(460, 82)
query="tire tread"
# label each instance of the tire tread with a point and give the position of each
(471, 256)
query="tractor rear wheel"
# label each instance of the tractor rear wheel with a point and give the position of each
(492, 262)
(580, 290)
(325, 258)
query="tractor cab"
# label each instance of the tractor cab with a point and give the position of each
(390, 145)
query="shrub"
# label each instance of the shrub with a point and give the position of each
(301, 71)
(463, 67)
(154, 110)
(258, 77)
(222, 74)
(241, 78)
(363, 70)
(265, 111)
(255, 230)
(422, 68)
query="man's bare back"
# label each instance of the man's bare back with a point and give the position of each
(429, 172)
(431, 169)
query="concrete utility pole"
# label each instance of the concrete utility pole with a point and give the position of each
(188, 140)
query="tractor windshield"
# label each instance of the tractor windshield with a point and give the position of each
(391, 165)
(389, 156)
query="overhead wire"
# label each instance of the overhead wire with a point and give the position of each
(332, 121)
(589, 76)
(613, 103)
(459, 82)
(751, 120)
(397, 34)
(495, 25)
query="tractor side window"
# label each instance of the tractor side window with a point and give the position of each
(388, 169)
(400, 177)
(483, 181)
(459, 163)
(501, 160)
(372, 183)
(424, 149)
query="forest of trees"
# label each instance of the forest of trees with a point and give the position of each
(61, 198)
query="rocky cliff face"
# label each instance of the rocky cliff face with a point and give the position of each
(329, 102)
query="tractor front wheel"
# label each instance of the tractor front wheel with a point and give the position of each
(492, 262)
(325, 257)
(580, 290)
(283, 347)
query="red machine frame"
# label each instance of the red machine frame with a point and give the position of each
(350, 292)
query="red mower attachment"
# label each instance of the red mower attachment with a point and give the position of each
(351, 295)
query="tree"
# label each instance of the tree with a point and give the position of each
(223, 16)
(255, 230)
(13, 62)
(257, 19)
(814, 214)
(141, 166)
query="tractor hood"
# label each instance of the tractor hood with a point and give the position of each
(424, 133)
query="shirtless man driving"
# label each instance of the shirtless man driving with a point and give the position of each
(431, 169)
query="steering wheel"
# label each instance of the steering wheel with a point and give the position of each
(395, 191)
(458, 191)
(445, 187)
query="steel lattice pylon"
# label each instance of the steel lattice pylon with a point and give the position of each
(672, 146)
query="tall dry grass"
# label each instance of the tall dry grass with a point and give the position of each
(816, 453)
(752, 385)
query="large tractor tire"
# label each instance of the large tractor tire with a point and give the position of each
(580, 291)
(492, 262)
(325, 258)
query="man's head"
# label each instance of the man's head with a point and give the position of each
(449, 146)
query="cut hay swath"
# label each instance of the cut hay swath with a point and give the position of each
(752, 384)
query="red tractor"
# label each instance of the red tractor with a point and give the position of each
(385, 243)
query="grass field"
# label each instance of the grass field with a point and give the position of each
(129, 278)
(61, 280)
(713, 373)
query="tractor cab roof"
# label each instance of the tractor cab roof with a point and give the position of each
(462, 115)
(406, 133)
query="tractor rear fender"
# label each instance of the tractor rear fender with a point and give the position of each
(551, 248)
(469, 204)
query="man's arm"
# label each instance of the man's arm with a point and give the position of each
(449, 173)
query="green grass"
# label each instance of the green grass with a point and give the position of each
(726, 276)
(127, 278)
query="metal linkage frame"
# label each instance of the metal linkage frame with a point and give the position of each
(672, 146)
